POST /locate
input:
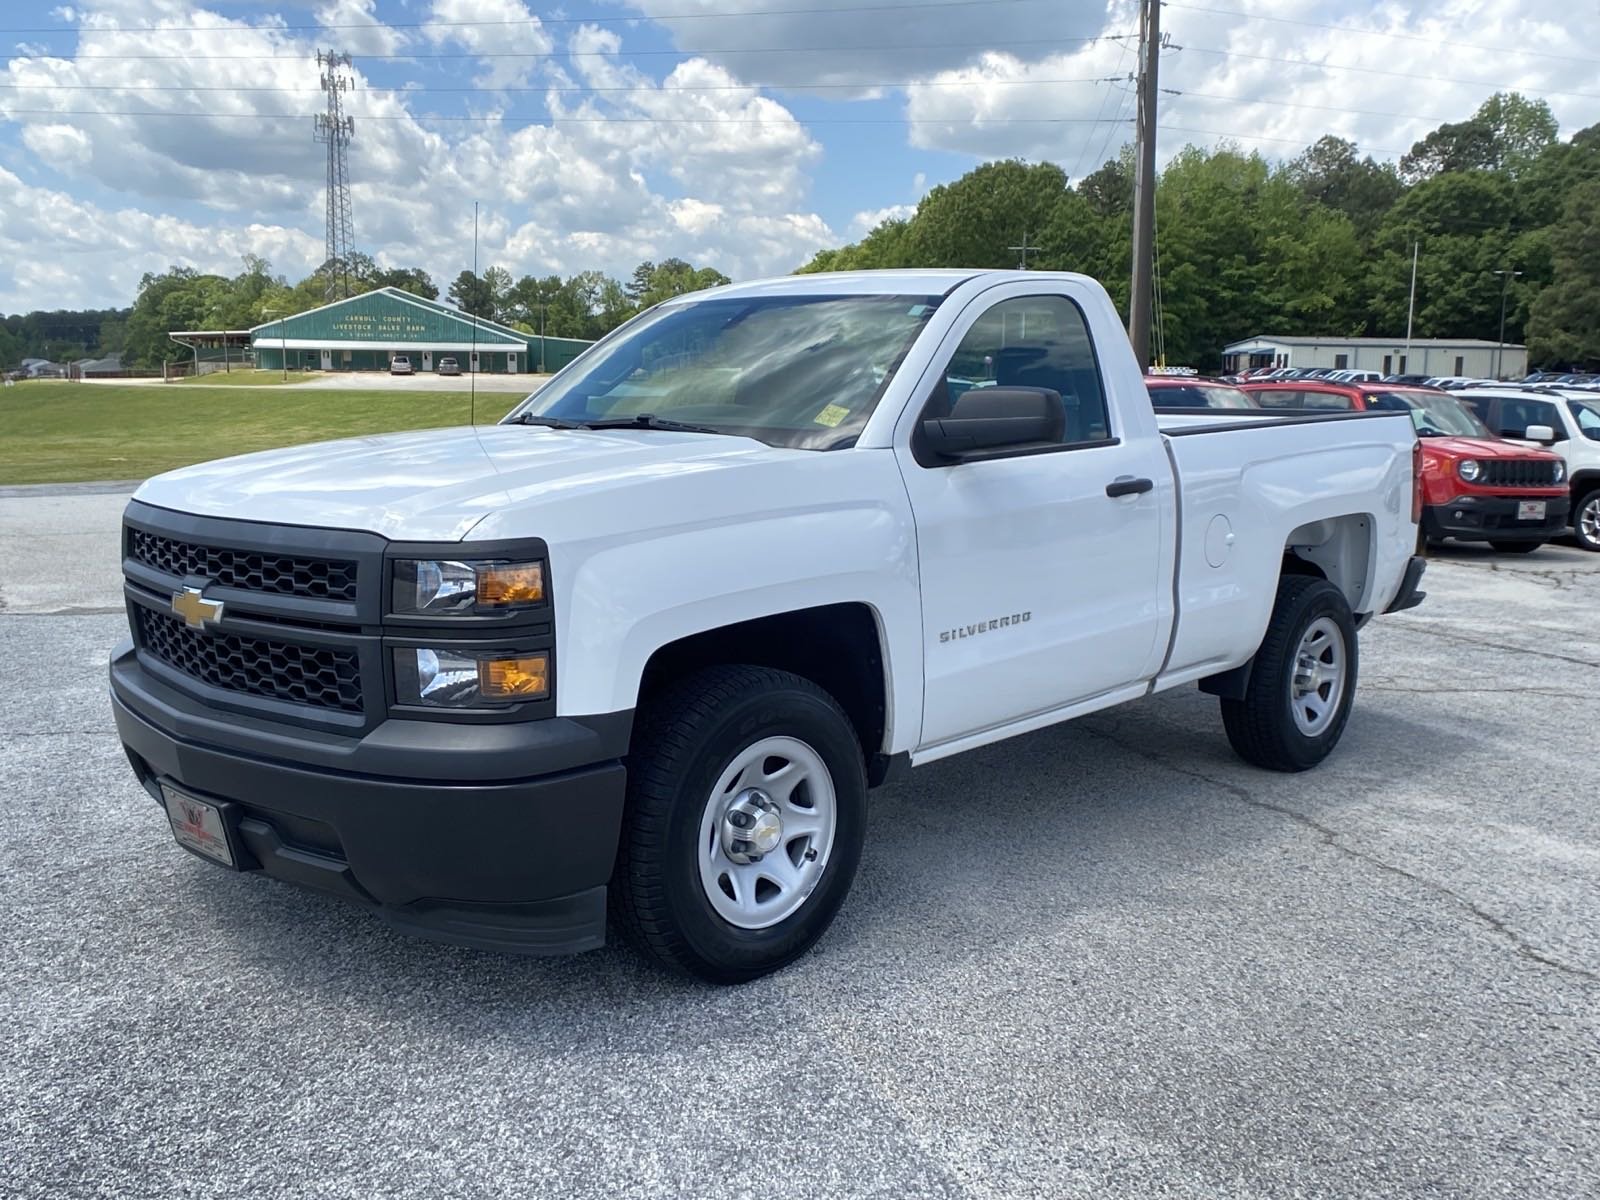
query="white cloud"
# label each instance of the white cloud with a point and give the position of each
(880, 43)
(865, 222)
(1407, 85)
(357, 28)
(56, 251)
(626, 172)
(508, 28)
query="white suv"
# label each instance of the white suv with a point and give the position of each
(1566, 420)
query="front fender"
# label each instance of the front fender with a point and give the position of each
(617, 605)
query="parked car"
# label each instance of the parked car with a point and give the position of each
(448, 366)
(1477, 487)
(1566, 422)
(1411, 380)
(765, 580)
(401, 365)
(1168, 392)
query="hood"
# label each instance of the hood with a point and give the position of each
(436, 484)
(1472, 447)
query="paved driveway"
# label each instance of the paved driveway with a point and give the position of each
(1104, 960)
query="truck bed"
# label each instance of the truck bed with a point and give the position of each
(1338, 483)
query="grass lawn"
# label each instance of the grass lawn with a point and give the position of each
(57, 432)
(240, 377)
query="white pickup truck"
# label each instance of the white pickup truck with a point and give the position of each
(652, 638)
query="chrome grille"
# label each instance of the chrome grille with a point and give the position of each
(248, 570)
(324, 677)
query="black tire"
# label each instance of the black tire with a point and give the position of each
(1516, 547)
(683, 740)
(1588, 506)
(1261, 727)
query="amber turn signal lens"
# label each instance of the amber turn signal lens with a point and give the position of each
(525, 678)
(502, 585)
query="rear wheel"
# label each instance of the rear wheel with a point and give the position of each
(1586, 520)
(1302, 683)
(1516, 547)
(745, 818)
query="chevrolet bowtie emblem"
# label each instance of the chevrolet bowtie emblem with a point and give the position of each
(195, 609)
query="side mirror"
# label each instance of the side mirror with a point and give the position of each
(1540, 433)
(996, 418)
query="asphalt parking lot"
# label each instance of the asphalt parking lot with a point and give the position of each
(1101, 960)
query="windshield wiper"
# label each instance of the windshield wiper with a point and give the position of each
(649, 421)
(547, 422)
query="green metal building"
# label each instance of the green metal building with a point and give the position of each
(365, 332)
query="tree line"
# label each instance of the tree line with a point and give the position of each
(586, 305)
(1320, 244)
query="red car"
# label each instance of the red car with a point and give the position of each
(1192, 391)
(1476, 487)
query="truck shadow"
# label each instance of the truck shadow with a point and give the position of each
(987, 848)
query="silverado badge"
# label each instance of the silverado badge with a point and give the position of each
(196, 611)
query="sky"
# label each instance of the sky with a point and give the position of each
(136, 135)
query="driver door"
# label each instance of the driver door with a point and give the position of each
(1039, 589)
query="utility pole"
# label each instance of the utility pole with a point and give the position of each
(1500, 350)
(1411, 305)
(335, 130)
(1140, 294)
(1023, 251)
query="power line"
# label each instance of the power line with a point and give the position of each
(545, 120)
(1389, 71)
(540, 91)
(1274, 102)
(534, 20)
(1257, 137)
(549, 54)
(1407, 37)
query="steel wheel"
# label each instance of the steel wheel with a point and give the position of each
(1587, 523)
(766, 832)
(1319, 676)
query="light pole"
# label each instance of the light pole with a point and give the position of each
(541, 337)
(283, 349)
(1500, 350)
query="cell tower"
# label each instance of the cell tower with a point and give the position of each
(335, 130)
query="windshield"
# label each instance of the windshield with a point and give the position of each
(1199, 395)
(1587, 414)
(1433, 413)
(798, 371)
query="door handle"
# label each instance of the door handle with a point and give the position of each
(1127, 485)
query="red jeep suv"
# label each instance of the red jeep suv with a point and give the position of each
(1475, 487)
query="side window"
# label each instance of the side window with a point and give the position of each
(1478, 406)
(1517, 415)
(1039, 342)
(1588, 419)
(1327, 400)
(1277, 398)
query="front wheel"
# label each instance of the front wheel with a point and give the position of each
(1586, 521)
(1303, 681)
(1516, 547)
(745, 817)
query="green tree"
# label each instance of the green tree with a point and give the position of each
(974, 221)
(1564, 324)
(472, 294)
(1506, 132)
(1331, 173)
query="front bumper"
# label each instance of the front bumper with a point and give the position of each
(500, 836)
(1494, 518)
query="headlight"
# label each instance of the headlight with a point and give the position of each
(439, 677)
(1470, 469)
(1561, 472)
(449, 587)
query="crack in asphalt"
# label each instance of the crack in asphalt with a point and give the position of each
(1551, 693)
(1330, 837)
(1469, 640)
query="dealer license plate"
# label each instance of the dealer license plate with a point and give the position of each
(197, 825)
(1530, 510)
